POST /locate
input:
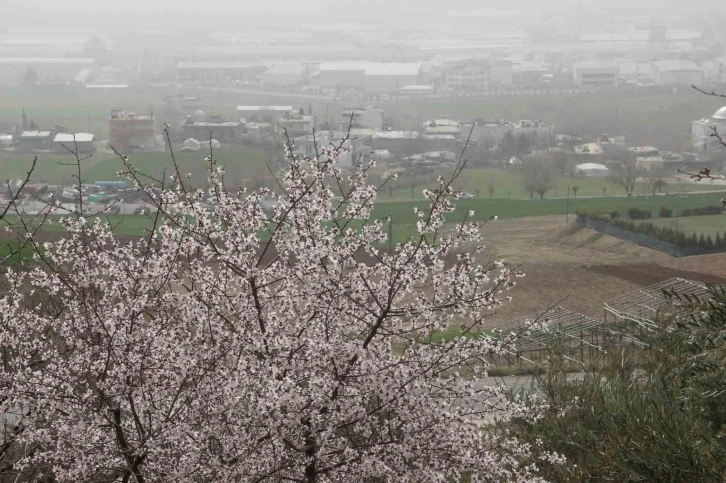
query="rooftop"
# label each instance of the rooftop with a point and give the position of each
(643, 149)
(642, 306)
(720, 114)
(391, 68)
(211, 123)
(215, 65)
(117, 115)
(265, 108)
(286, 69)
(34, 134)
(340, 66)
(396, 135)
(80, 137)
(595, 166)
(675, 65)
(46, 60)
(595, 64)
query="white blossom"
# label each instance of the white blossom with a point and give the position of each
(239, 345)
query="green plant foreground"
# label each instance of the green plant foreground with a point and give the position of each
(653, 414)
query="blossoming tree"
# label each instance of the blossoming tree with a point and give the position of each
(241, 345)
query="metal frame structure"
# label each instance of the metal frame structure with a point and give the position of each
(581, 333)
(644, 305)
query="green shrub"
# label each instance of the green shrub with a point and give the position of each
(704, 210)
(638, 214)
(656, 413)
(615, 214)
(665, 212)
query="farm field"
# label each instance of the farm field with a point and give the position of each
(508, 184)
(404, 220)
(240, 163)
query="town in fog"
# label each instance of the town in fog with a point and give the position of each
(362, 241)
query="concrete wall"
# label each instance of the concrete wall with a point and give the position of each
(677, 77)
(343, 79)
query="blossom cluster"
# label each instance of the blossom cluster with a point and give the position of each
(238, 345)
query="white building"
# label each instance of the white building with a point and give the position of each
(362, 118)
(649, 162)
(595, 73)
(342, 75)
(442, 126)
(478, 74)
(284, 75)
(592, 170)
(390, 77)
(82, 141)
(358, 148)
(701, 132)
(48, 69)
(493, 132)
(264, 113)
(676, 72)
(296, 126)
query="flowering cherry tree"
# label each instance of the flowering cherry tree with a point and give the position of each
(239, 345)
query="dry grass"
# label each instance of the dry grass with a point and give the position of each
(580, 268)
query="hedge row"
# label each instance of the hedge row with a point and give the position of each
(662, 233)
(665, 212)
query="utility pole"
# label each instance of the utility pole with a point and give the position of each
(676, 210)
(390, 235)
(567, 222)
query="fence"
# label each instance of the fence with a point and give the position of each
(643, 240)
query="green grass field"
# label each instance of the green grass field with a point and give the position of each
(508, 185)
(706, 225)
(404, 220)
(240, 163)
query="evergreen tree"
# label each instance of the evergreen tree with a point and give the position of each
(702, 241)
(508, 146)
(709, 242)
(717, 243)
(523, 143)
(24, 121)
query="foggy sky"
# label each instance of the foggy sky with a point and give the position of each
(313, 7)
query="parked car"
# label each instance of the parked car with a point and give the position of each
(465, 196)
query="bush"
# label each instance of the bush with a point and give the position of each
(704, 210)
(655, 413)
(615, 214)
(665, 212)
(638, 214)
